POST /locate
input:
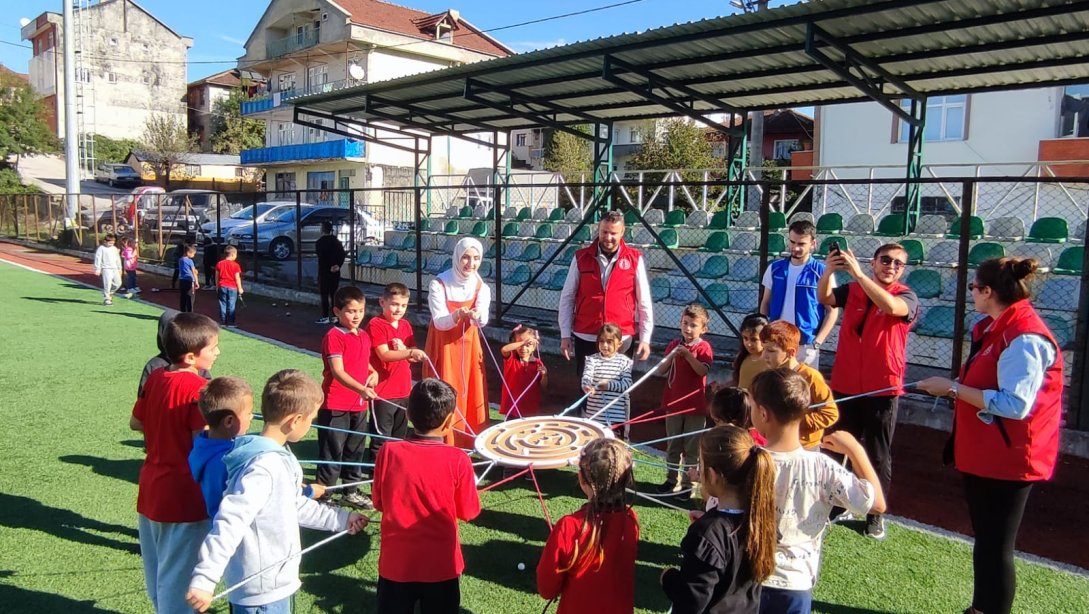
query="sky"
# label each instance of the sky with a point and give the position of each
(219, 28)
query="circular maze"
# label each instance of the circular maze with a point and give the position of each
(545, 442)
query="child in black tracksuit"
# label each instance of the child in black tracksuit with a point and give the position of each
(331, 256)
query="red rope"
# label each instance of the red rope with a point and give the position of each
(540, 497)
(641, 420)
(505, 480)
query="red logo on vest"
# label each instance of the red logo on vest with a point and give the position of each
(624, 265)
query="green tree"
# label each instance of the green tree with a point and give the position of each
(166, 143)
(568, 154)
(113, 150)
(231, 133)
(678, 145)
(23, 129)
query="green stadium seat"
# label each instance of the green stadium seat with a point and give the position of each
(1048, 230)
(409, 242)
(519, 276)
(556, 215)
(480, 229)
(915, 250)
(1070, 261)
(975, 225)
(530, 253)
(487, 269)
(660, 287)
(669, 237)
(777, 220)
(984, 251)
(714, 268)
(389, 261)
(826, 244)
(717, 242)
(510, 229)
(630, 218)
(582, 236)
(490, 252)
(1062, 328)
(937, 321)
(566, 257)
(524, 214)
(452, 228)
(425, 225)
(719, 293)
(363, 256)
(674, 219)
(719, 221)
(927, 283)
(465, 212)
(776, 245)
(830, 224)
(544, 231)
(559, 276)
(891, 225)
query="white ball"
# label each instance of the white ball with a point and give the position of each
(288, 314)
(274, 304)
(521, 566)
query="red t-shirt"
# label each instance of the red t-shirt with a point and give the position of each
(226, 271)
(684, 389)
(169, 413)
(757, 437)
(609, 589)
(422, 487)
(523, 380)
(394, 378)
(354, 350)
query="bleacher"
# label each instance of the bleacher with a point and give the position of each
(724, 258)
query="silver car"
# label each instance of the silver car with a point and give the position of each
(243, 217)
(276, 235)
(118, 174)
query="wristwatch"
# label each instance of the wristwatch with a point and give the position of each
(817, 345)
(954, 390)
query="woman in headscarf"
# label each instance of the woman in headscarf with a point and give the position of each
(459, 301)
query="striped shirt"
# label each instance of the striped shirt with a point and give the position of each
(616, 370)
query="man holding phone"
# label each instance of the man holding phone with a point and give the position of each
(878, 311)
(790, 292)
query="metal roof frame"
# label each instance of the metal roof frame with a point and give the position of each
(821, 52)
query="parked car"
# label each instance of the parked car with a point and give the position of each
(183, 211)
(276, 234)
(117, 175)
(124, 212)
(242, 217)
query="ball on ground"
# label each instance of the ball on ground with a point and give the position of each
(288, 314)
(274, 304)
(521, 566)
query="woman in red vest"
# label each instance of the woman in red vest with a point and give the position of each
(1007, 413)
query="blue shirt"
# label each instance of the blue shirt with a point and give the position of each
(1021, 370)
(186, 269)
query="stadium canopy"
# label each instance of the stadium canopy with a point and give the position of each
(814, 53)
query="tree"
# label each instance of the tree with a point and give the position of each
(23, 129)
(679, 145)
(166, 143)
(113, 150)
(568, 154)
(231, 133)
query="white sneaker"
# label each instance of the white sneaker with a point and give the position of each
(107, 302)
(136, 290)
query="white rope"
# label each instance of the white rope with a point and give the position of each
(298, 554)
(658, 501)
(635, 385)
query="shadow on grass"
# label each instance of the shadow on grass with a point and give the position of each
(50, 299)
(127, 470)
(135, 316)
(497, 562)
(24, 513)
(18, 600)
(529, 528)
(133, 443)
(834, 608)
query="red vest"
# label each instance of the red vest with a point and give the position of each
(596, 305)
(1021, 450)
(876, 358)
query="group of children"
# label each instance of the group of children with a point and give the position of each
(109, 264)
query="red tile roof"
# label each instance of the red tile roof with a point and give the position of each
(414, 23)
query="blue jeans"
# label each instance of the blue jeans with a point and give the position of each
(282, 606)
(783, 601)
(130, 280)
(228, 299)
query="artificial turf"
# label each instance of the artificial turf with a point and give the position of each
(68, 489)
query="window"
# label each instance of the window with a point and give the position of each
(240, 172)
(285, 135)
(520, 139)
(285, 82)
(192, 170)
(318, 75)
(300, 34)
(285, 185)
(111, 77)
(1074, 111)
(113, 41)
(946, 119)
(635, 135)
(83, 75)
(784, 147)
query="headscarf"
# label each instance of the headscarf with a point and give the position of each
(459, 249)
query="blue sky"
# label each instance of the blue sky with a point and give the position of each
(219, 27)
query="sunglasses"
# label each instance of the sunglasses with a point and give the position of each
(893, 262)
(976, 286)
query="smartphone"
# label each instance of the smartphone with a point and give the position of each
(834, 249)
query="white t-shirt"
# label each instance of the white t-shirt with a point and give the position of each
(807, 485)
(793, 271)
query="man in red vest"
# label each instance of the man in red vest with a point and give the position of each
(607, 282)
(871, 356)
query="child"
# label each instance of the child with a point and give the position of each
(683, 397)
(162, 359)
(729, 550)
(781, 341)
(734, 406)
(807, 485)
(423, 487)
(750, 360)
(347, 380)
(129, 261)
(210, 259)
(229, 284)
(331, 255)
(589, 558)
(393, 348)
(172, 518)
(524, 373)
(108, 266)
(226, 403)
(607, 376)
(188, 282)
(258, 521)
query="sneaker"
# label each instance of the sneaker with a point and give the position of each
(136, 291)
(840, 515)
(666, 487)
(107, 302)
(321, 321)
(359, 500)
(875, 526)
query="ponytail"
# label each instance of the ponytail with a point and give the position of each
(762, 530)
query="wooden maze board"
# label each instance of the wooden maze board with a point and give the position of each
(546, 442)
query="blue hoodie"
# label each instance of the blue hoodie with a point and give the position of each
(209, 470)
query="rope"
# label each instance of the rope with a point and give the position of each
(572, 407)
(505, 480)
(298, 554)
(344, 463)
(540, 497)
(658, 501)
(499, 370)
(348, 485)
(635, 385)
(480, 478)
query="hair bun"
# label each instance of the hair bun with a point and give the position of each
(1023, 267)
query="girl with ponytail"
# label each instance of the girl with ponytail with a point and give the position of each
(729, 550)
(589, 559)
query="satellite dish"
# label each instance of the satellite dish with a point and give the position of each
(23, 22)
(356, 72)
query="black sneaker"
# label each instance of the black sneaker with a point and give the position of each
(666, 487)
(875, 526)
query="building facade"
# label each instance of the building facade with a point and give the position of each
(117, 94)
(201, 98)
(307, 46)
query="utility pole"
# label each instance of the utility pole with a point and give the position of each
(71, 136)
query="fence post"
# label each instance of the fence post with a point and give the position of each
(351, 228)
(960, 307)
(1079, 371)
(765, 232)
(298, 239)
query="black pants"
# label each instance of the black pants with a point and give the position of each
(185, 291)
(327, 287)
(338, 446)
(433, 597)
(872, 420)
(174, 278)
(996, 508)
(388, 420)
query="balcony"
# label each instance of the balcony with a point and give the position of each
(260, 104)
(325, 150)
(295, 42)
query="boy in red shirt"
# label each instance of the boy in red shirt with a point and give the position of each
(683, 396)
(393, 347)
(423, 487)
(229, 285)
(172, 518)
(347, 380)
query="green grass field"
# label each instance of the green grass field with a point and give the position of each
(69, 468)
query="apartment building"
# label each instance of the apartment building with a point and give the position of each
(201, 98)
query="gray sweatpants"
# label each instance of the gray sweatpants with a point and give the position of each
(111, 281)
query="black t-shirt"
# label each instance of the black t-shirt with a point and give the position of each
(330, 252)
(715, 576)
(839, 293)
